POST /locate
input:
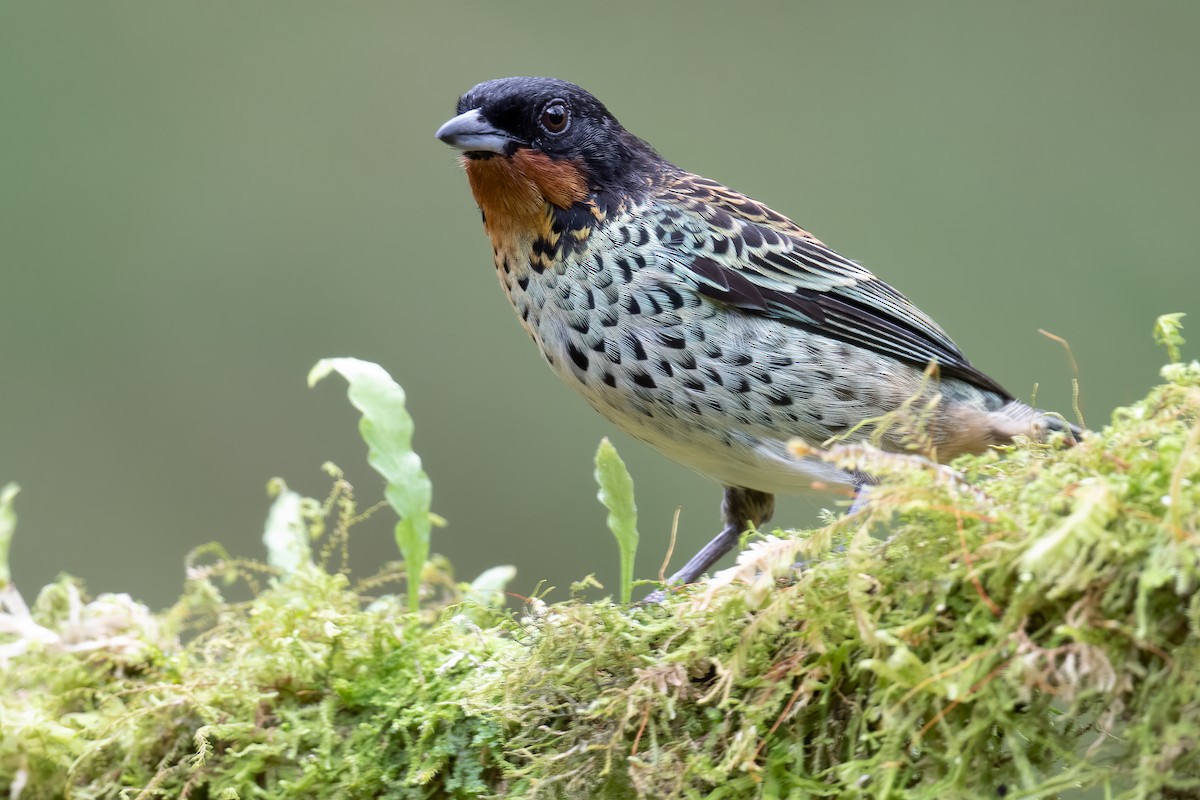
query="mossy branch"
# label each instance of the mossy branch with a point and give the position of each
(1022, 625)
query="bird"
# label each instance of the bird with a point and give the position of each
(699, 320)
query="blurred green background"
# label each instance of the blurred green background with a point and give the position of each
(199, 200)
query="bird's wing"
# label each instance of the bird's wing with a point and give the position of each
(739, 252)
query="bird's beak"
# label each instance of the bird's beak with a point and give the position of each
(471, 133)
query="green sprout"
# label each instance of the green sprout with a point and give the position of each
(616, 493)
(1167, 331)
(387, 429)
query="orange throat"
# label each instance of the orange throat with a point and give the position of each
(516, 192)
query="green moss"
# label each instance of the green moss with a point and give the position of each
(1022, 626)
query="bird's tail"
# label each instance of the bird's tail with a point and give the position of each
(1020, 419)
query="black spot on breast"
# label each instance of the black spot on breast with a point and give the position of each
(672, 341)
(639, 352)
(644, 380)
(608, 317)
(631, 305)
(686, 361)
(626, 270)
(779, 361)
(780, 399)
(720, 245)
(504, 265)
(522, 281)
(664, 367)
(578, 356)
(591, 300)
(844, 394)
(742, 386)
(579, 325)
(610, 379)
(543, 250)
(712, 375)
(739, 359)
(672, 297)
(692, 384)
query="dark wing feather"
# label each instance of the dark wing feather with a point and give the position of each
(743, 254)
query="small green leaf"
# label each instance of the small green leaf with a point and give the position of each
(1167, 331)
(387, 429)
(616, 493)
(488, 589)
(8, 524)
(286, 534)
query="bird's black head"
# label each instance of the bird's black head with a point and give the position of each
(553, 117)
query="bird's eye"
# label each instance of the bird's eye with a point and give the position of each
(555, 116)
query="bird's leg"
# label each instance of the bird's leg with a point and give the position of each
(740, 508)
(862, 491)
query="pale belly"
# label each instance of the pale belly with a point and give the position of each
(721, 393)
(713, 388)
